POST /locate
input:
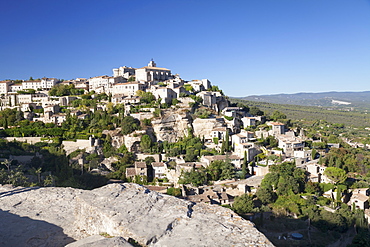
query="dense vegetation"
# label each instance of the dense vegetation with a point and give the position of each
(285, 192)
(50, 168)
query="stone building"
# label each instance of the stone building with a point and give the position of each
(127, 88)
(277, 128)
(44, 83)
(125, 72)
(152, 73)
(4, 87)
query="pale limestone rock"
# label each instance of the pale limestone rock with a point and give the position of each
(59, 216)
(100, 241)
(204, 127)
(171, 127)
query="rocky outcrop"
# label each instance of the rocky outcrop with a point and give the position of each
(60, 216)
(172, 126)
(204, 127)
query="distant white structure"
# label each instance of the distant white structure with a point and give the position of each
(338, 102)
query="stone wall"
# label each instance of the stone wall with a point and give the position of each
(89, 145)
(30, 140)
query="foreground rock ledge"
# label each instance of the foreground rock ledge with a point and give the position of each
(60, 216)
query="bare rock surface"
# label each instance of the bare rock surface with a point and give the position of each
(99, 240)
(61, 216)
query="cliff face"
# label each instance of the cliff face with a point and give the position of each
(172, 126)
(59, 216)
(204, 127)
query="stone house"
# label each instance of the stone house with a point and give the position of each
(58, 119)
(53, 108)
(4, 87)
(290, 144)
(159, 169)
(139, 169)
(164, 93)
(66, 100)
(316, 173)
(360, 198)
(249, 121)
(233, 111)
(15, 87)
(125, 72)
(219, 132)
(234, 159)
(241, 144)
(44, 83)
(200, 85)
(212, 197)
(102, 84)
(276, 128)
(302, 156)
(127, 88)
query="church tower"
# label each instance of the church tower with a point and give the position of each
(152, 63)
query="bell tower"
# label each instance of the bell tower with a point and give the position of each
(152, 63)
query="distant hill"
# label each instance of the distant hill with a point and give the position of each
(359, 101)
(346, 115)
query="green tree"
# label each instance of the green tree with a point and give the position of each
(146, 143)
(131, 78)
(220, 170)
(129, 124)
(266, 195)
(243, 204)
(147, 97)
(7, 163)
(276, 115)
(255, 111)
(196, 178)
(313, 154)
(227, 141)
(174, 191)
(245, 169)
(335, 174)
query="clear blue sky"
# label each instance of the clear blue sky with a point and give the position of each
(244, 46)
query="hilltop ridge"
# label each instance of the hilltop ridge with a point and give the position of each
(357, 100)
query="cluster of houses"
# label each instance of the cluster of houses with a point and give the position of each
(357, 198)
(123, 87)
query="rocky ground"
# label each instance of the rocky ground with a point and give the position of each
(61, 216)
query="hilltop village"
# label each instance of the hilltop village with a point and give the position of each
(149, 126)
